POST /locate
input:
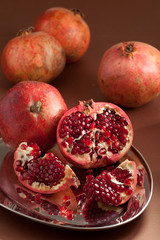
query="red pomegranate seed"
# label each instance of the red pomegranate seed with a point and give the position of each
(102, 151)
(69, 214)
(63, 211)
(66, 201)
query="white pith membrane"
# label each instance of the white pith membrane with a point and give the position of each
(103, 151)
(69, 178)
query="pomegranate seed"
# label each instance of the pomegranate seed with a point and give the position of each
(23, 146)
(113, 138)
(66, 201)
(88, 142)
(69, 214)
(65, 143)
(107, 134)
(69, 140)
(63, 211)
(128, 191)
(92, 125)
(102, 151)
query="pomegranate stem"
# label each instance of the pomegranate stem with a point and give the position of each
(129, 48)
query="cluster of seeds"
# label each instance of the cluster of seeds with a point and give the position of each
(104, 189)
(35, 152)
(48, 169)
(123, 176)
(83, 134)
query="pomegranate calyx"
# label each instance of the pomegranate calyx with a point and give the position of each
(77, 11)
(87, 104)
(36, 107)
(128, 49)
(25, 32)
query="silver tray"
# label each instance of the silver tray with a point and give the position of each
(11, 199)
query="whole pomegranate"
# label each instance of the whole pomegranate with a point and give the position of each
(94, 134)
(129, 74)
(69, 28)
(30, 112)
(43, 174)
(32, 56)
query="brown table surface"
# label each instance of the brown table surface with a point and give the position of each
(110, 22)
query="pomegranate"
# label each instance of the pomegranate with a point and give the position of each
(30, 112)
(115, 187)
(69, 28)
(33, 56)
(129, 73)
(45, 174)
(94, 134)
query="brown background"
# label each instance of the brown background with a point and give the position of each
(110, 22)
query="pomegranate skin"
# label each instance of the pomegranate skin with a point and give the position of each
(69, 28)
(33, 56)
(30, 112)
(85, 159)
(129, 74)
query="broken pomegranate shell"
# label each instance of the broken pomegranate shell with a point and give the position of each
(115, 187)
(45, 174)
(94, 134)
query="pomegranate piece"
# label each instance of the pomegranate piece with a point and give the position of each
(69, 28)
(29, 112)
(33, 56)
(129, 73)
(45, 174)
(94, 134)
(115, 187)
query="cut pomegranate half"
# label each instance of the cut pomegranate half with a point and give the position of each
(45, 174)
(115, 187)
(94, 134)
